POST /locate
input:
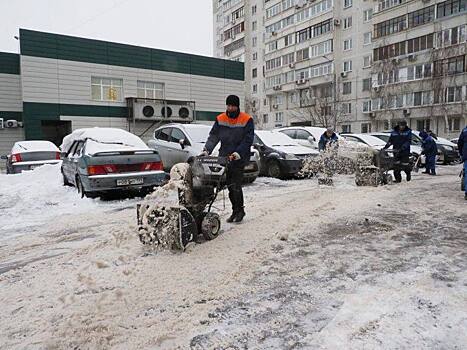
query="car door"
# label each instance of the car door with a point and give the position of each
(74, 159)
(67, 162)
(180, 155)
(162, 143)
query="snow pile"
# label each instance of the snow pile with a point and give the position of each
(159, 210)
(34, 198)
(341, 158)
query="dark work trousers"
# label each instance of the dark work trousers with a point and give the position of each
(402, 163)
(431, 164)
(234, 184)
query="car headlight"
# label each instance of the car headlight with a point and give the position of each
(448, 148)
(288, 156)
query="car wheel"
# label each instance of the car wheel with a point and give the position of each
(274, 169)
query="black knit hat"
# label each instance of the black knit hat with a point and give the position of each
(232, 100)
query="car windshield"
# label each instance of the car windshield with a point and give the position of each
(199, 134)
(372, 141)
(385, 138)
(275, 139)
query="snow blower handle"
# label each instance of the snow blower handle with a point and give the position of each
(415, 167)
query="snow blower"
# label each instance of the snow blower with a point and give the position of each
(174, 225)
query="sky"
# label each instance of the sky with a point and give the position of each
(178, 25)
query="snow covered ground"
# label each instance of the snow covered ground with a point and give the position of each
(311, 267)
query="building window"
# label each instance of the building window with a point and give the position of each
(367, 61)
(255, 56)
(366, 84)
(288, 40)
(348, 44)
(303, 54)
(391, 26)
(347, 88)
(254, 25)
(148, 89)
(454, 123)
(451, 7)
(254, 41)
(347, 3)
(366, 106)
(347, 66)
(254, 72)
(279, 117)
(421, 16)
(253, 10)
(365, 128)
(367, 15)
(347, 22)
(367, 38)
(347, 108)
(107, 89)
(423, 124)
(255, 88)
(454, 94)
(265, 119)
(346, 128)
(451, 36)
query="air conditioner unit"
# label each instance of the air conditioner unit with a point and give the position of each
(292, 65)
(273, 33)
(344, 74)
(300, 81)
(300, 4)
(406, 112)
(371, 115)
(377, 88)
(277, 87)
(150, 110)
(412, 58)
(11, 123)
(337, 22)
(396, 60)
(275, 106)
(1, 123)
(233, 20)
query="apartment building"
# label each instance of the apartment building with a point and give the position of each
(419, 66)
(333, 62)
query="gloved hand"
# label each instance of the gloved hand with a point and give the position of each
(235, 156)
(204, 153)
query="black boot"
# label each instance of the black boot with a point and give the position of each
(232, 217)
(408, 176)
(240, 215)
(465, 196)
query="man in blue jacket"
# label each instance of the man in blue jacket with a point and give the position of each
(462, 144)
(400, 140)
(235, 131)
(328, 138)
(429, 149)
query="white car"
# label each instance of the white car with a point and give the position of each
(176, 143)
(27, 155)
(307, 136)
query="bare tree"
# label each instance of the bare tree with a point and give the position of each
(320, 105)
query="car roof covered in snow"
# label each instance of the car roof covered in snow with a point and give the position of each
(104, 139)
(34, 146)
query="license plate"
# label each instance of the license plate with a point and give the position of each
(127, 182)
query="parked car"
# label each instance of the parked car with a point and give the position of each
(28, 155)
(447, 150)
(307, 136)
(280, 155)
(178, 142)
(100, 160)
